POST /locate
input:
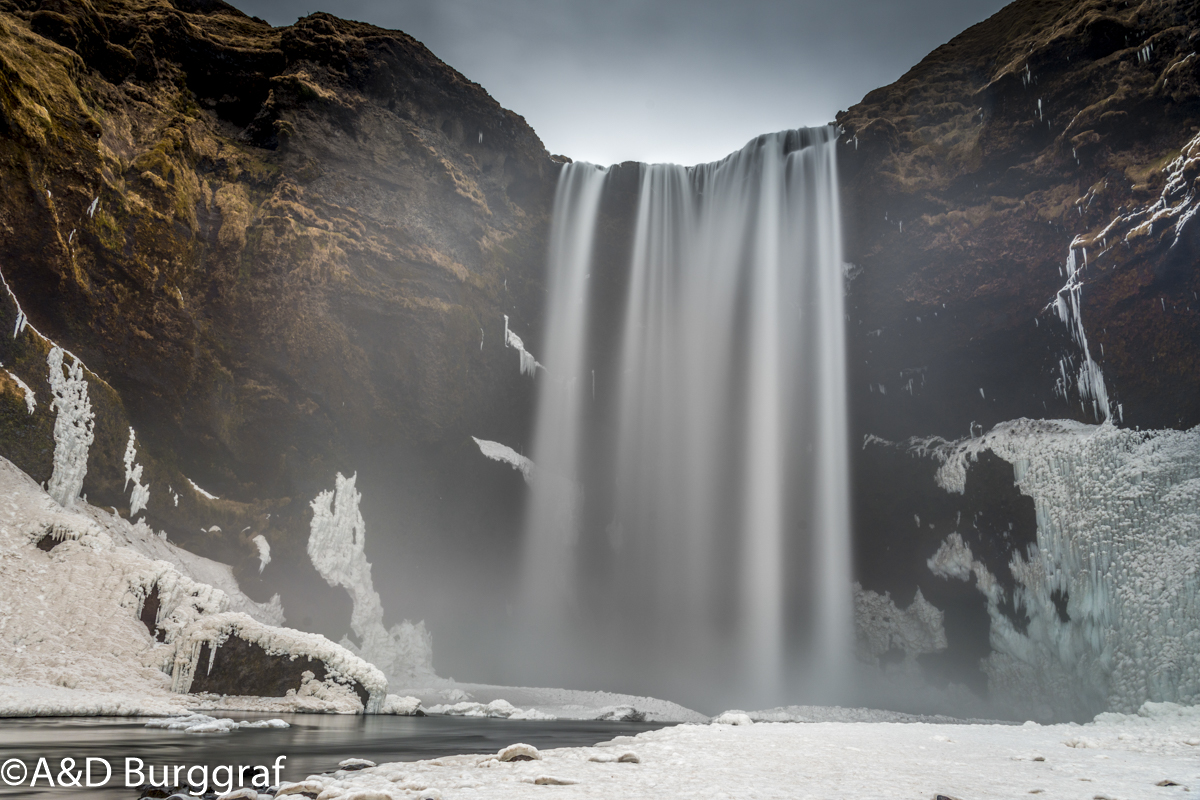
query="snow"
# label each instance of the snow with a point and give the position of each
(73, 428)
(72, 643)
(264, 551)
(341, 665)
(142, 539)
(1118, 538)
(400, 706)
(529, 364)
(1125, 757)
(506, 455)
(501, 709)
(133, 472)
(335, 546)
(202, 723)
(546, 702)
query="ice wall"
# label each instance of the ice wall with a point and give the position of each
(335, 545)
(1111, 589)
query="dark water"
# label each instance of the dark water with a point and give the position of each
(314, 743)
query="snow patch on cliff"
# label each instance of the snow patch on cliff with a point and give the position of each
(529, 364)
(505, 454)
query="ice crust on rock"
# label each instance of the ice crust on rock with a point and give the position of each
(505, 454)
(335, 546)
(1118, 543)
(341, 665)
(73, 427)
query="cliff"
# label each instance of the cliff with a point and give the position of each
(1056, 135)
(280, 252)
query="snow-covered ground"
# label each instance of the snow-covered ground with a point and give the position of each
(72, 643)
(1154, 754)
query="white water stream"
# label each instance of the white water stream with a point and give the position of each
(689, 521)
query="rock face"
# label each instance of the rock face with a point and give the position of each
(283, 252)
(1052, 128)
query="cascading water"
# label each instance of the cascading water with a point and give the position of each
(689, 522)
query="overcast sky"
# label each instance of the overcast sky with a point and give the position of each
(685, 81)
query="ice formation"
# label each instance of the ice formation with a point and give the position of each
(1090, 379)
(529, 364)
(335, 546)
(73, 428)
(1174, 208)
(133, 472)
(264, 552)
(884, 629)
(1118, 541)
(505, 454)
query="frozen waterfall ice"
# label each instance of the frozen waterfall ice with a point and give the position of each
(336, 543)
(690, 520)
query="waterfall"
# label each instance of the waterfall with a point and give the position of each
(688, 529)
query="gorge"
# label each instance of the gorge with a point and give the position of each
(286, 254)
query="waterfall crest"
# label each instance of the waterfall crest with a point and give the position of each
(689, 525)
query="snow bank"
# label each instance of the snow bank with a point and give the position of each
(342, 667)
(141, 538)
(401, 706)
(501, 709)
(546, 703)
(1122, 757)
(76, 634)
(335, 545)
(202, 723)
(506, 455)
(1118, 541)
